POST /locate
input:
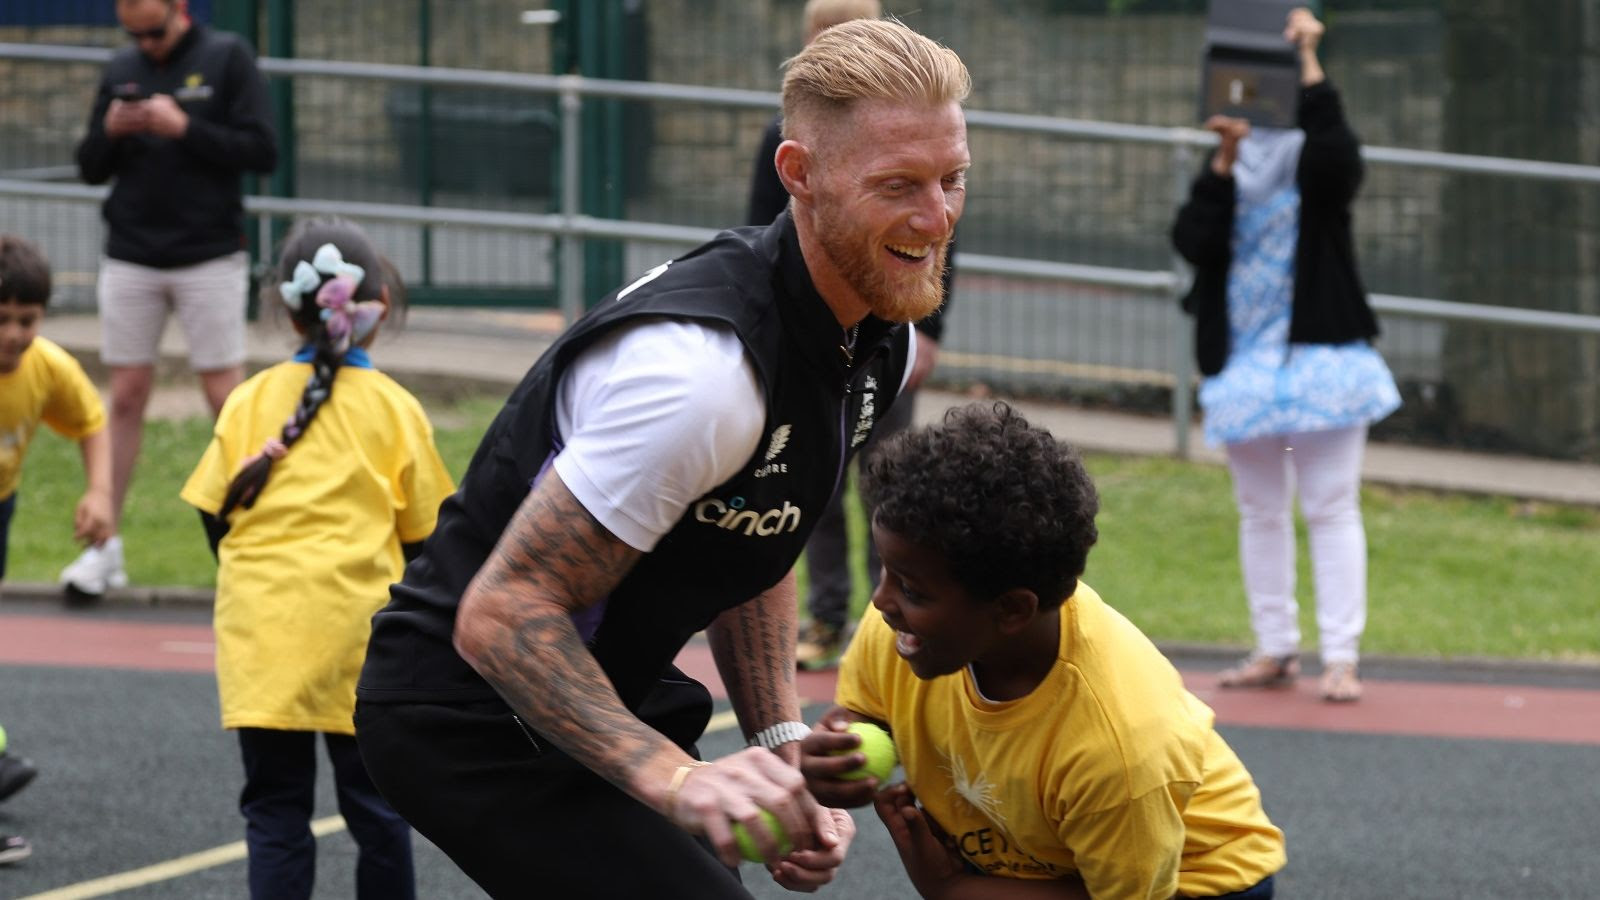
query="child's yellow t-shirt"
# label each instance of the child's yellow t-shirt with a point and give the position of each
(47, 386)
(1109, 770)
(302, 571)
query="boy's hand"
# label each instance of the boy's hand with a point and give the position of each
(925, 850)
(91, 521)
(822, 768)
(804, 871)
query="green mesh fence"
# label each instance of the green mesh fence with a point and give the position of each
(1488, 77)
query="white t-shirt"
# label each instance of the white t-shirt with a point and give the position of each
(653, 416)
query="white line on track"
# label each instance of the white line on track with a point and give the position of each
(170, 869)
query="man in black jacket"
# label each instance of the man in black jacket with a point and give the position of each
(178, 119)
(656, 473)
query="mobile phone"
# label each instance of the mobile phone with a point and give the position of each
(129, 92)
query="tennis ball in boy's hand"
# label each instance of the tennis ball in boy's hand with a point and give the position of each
(879, 750)
(747, 843)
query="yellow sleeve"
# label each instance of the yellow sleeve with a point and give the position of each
(1130, 850)
(423, 482)
(864, 669)
(72, 407)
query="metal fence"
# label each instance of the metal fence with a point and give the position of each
(1065, 282)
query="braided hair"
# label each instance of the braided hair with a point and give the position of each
(328, 294)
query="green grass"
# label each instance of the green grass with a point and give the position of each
(1449, 575)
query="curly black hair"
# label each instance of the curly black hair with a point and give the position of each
(1005, 503)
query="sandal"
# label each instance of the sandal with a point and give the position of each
(1261, 671)
(1340, 684)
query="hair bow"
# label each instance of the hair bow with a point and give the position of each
(308, 276)
(346, 319)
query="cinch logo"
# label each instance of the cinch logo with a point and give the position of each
(732, 516)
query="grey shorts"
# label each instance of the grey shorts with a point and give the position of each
(208, 297)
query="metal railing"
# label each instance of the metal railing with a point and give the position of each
(571, 227)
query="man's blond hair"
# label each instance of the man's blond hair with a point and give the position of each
(822, 14)
(868, 59)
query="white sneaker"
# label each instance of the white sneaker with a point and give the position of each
(96, 569)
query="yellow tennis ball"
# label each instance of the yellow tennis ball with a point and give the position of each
(879, 750)
(747, 843)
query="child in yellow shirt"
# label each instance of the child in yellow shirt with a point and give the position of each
(1050, 750)
(312, 519)
(40, 382)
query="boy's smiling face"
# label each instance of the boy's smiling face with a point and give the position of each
(19, 325)
(939, 627)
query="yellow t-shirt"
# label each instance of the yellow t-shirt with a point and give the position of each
(301, 573)
(47, 386)
(1109, 770)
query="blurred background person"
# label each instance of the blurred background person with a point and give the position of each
(179, 117)
(1283, 334)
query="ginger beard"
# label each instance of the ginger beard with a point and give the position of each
(907, 295)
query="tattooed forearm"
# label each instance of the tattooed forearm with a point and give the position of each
(515, 628)
(753, 645)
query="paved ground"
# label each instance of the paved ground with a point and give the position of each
(1460, 781)
(1446, 781)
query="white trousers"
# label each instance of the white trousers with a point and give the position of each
(1325, 466)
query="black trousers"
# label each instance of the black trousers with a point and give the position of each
(280, 779)
(523, 819)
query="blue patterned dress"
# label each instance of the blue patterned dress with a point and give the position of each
(1269, 386)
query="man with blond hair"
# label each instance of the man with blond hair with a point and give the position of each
(830, 582)
(656, 473)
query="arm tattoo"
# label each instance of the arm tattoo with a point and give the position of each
(553, 560)
(753, 645)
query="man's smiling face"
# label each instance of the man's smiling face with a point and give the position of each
(891, 185)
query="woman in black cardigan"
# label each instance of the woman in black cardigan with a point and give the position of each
(1282, 334)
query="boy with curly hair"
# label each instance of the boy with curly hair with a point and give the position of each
(1050, 750)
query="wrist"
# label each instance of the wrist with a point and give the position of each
(669, 800)
(775, 736)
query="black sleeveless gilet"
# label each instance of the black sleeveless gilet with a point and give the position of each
(733, 543)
